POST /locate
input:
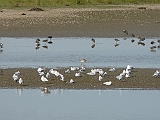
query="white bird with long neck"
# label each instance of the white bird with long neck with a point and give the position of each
(20, 81)
(100, 78)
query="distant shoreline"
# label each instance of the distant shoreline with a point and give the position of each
(82, 22)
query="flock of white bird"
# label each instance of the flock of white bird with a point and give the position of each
(44, 76)
(16, 77)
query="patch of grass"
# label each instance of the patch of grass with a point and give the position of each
(53, 3)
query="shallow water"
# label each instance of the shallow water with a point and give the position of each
(31, 104)
(64, 52)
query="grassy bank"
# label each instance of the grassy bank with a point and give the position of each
(52, 3)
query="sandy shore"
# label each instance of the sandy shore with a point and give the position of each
(87, 22)
(140, 79)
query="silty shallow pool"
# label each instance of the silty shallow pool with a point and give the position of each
(64, 52)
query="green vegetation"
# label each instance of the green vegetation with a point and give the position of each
(51, 3)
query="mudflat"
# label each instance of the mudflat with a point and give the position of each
(141, 20)
(139, 79)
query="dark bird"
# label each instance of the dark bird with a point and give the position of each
(132, 40)
(37, 40)
(152, 42)
(93, 40)
(132, 35)
(125, 31)
(23, 14)
(50, 37)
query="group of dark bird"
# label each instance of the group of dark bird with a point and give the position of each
(46, 41)
(140, 41)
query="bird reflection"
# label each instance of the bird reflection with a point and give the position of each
(153, 50)
(45, 90)
(50, 37)
(45, 46)
(93, 45)
(37, 47)
(46, 40)
(50, 42)
(141, 43)
(116, 45)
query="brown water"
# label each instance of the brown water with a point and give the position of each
(64, 52)
(59, 104)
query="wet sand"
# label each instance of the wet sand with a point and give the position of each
(88, 22)
(82, 22)
(140, 79)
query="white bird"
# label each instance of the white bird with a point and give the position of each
(96, 70)
(101, 72)
(127, 71)
(156, 74)
(67, 71)
(129, 67)
(78, 74)
(74, 68)
(15, 77)
(44, 79)
(100, 78)
(40, 70)
(107, 83)
(105, 74)
(48, 75)
(83, 69)
(57, 73)
(61, 77)
(41, 73)
(52, 71)
(17, 73)
(127, 75)
(123, 73)
(91, 73)
(119, 77)
(20, 81)
(112, 70)
(71, 81)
